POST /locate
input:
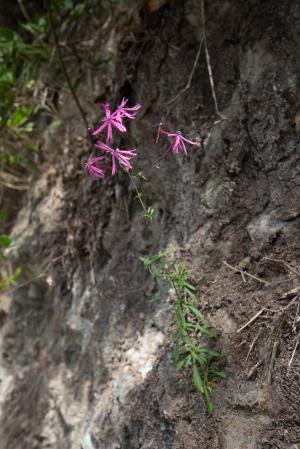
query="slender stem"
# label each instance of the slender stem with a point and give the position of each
(176, 290)
(210, 74)
(138, 193)
(64, 69)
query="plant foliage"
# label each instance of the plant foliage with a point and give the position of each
(193, 335)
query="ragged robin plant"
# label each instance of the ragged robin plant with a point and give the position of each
(114, 121)
(193, 336)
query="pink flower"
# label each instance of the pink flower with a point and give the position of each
(123, 157)
(125, 112)
(178, 142)
(115, 119)
(93, 168)
(111, 121)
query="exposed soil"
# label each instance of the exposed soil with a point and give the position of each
(86, 359)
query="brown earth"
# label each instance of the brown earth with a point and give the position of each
(86, 359)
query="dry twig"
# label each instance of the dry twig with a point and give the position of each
(285, 264)
(237, 270)
(254, 368)
(272, 361)
(253, 343)
(291, 293)
(291, 302)
(251, 320)
(293, 354)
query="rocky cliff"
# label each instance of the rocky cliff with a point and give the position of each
(86, 359)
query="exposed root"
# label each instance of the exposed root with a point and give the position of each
(293, 354)
(237, 270)
(253, 343)
(188, 84)
(272, 361)
(251, 320)
(210, 74)
(283, 263)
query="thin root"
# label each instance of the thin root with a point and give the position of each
(251, 320)
(254, 368)
(293, 354)
(285, 264)
(210, 74)
(237, 270)
(253, 343)
(188, 84)
(272, 361)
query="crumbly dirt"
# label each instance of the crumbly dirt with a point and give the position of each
(86, 359)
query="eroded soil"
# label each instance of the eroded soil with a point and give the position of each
(86, 359)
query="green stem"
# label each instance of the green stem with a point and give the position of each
(138, 195)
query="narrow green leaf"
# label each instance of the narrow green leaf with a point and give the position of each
(205, 330)
(190, 326)
(220, 374)
(196, 312)
(180, 314)
(208, 400)
(183, 335)
(208, 351)
(176, 354)
(189, 286)
(180, 364)
(197, 379)
(188, 360)
(200, 360)
(155, 297)
(190, 294)
(145, 260)
(16, 274)
(209, 405)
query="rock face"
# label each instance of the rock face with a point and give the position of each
(85, 357)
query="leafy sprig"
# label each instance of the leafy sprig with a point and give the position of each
(193, 334)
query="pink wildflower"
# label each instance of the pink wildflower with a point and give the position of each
(123, 157)
(93, 168)
(125, 112)
(111, 120)
(115, 119)
(178, 141)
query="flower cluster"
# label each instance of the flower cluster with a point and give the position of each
(96, 166)
(178, 141)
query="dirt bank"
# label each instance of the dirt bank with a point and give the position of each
(86, 360)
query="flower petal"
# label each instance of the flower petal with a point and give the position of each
(98, 130)
(103, 147)
(183, 147)
(93, 169)
(189, 141)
